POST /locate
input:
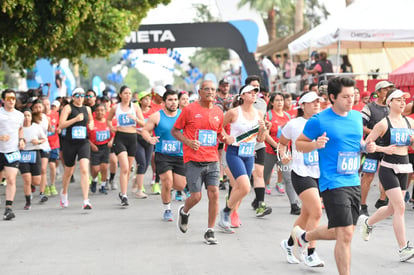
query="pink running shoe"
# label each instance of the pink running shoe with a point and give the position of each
(235, 220)
(268, 190)
(279, 188)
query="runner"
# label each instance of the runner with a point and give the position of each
(53, 139)
(168, 151)
(396, 132)
(202, 123)
(40, 118)
(246, 125)
(144, 149)
(279, 118)
(75, 118)
(11, 140)
(337, 134)
(101, 139)
(305, 175)
(128, 115)
(30, 162)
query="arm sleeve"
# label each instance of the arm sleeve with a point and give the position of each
(312, 128)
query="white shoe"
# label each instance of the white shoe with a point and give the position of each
(406, 253)
(289, 252)
(300, 246)
(365, 229)
(313, 260)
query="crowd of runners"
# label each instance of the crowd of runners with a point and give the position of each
(324, 150)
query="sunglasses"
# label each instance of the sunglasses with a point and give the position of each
(88, 96)
(79, 95)
(7, 98)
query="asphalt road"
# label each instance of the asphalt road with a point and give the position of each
(110, 240)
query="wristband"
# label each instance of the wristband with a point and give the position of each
(363, 148)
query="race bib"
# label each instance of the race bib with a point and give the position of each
(102, 135)
(207, 137)
(400, 136)
(370, 166)
(28, 156)
(246, 149)
(311, 158)
(125, 120)
(13, 157)
(171, 147)
(79, 132)
(348, 163)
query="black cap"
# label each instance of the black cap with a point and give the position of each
(224, 81)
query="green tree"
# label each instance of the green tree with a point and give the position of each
(58, 29)
(136, 81)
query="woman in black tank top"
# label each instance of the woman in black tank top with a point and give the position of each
(75, 118)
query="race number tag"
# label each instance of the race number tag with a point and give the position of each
(400, 136)
(79, 132)
(370, 166)
(207, 137)
(125, 120)
(12, 157)
(311, 158)
(348, 163)
(102, 135)
(246, 149)
(28, 156)
(171, 147)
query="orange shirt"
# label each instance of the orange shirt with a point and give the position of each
(358, 107)
(195, 120)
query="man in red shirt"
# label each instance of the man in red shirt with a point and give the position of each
(201, 123)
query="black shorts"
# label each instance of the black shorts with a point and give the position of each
(301, 184)
(33, 168)
(125, 142)
(71, 150)
(220, 146)
(342, 205)
(164, 163)
(259, 156)
(44, 154)
(411, 159)
(5, 163)
(377, 155)
(388, 178)
(102, 156)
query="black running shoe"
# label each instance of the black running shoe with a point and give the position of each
(364, 210)
(182, 221)
(124, 201)
(209, 237)
(294, 209)
(43, 199)
(8, 214)
(93, 186)
(381, 203)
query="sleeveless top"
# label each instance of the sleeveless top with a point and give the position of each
(397, 136)
(77, 132)
(122, 117)
(244, 130)
(167, 144)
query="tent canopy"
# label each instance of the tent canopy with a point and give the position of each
(404, 75)
(363, 24)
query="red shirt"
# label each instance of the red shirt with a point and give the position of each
(53, 136)
(358, 107)
(277, 123)
(195, 118)
(292, 112)
(100, 134)
(155, 107)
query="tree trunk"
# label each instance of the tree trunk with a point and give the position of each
(349, 2)
(271, 24)
(299, 16)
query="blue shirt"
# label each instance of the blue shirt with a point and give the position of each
(167, 144)
(345, 134)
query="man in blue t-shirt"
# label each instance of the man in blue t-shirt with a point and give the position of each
(337, 134)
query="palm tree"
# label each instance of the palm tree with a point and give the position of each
(299, 15)
(269, 7)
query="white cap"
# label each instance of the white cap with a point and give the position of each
(249, 88)
(310, 97)
(56, 103)
(396, 94)
(159, 90)
(78, 91)
(383, 84)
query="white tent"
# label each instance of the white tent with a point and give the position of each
(363, 24)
